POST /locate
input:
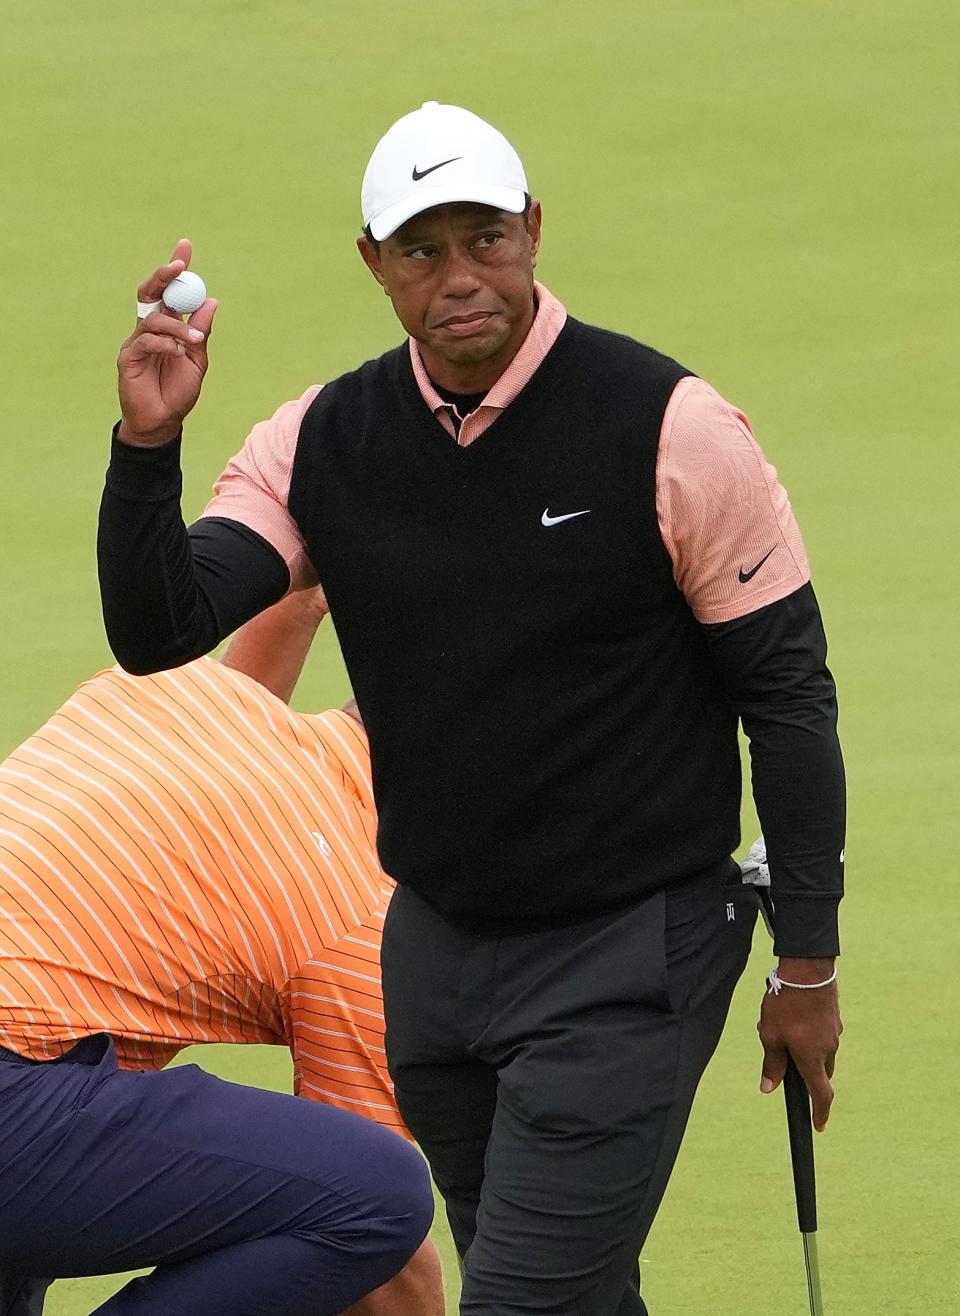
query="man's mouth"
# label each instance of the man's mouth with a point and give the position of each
(467, 323)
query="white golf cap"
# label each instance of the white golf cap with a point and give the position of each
(438, 154)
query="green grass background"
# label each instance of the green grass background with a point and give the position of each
(767, 190)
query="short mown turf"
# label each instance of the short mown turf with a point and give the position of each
(766, 190)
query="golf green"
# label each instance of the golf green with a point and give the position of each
(767, 191)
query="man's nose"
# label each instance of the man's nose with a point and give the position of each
(459, 273)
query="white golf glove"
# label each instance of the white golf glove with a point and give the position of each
(755, 871)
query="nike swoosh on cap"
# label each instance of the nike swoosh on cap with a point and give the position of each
(422, 173)
(547, 519)
(744, 576)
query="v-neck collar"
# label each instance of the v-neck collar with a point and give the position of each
(548, 381)
(543, 333)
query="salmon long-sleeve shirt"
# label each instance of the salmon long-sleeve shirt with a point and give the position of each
(185, 859)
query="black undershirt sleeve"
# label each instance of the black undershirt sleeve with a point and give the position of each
(773, 665)
(170, 594)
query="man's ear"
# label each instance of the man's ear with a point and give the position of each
(371, 258)
(534, 222)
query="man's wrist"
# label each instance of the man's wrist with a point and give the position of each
(802, 969)
(128, 435)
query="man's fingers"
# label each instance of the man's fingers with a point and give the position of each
(821, 1095)
(162, 335)
(155, 345)
(202, 319)
(183, 251)
(170, 326)
(774, 1067)
(151, 289)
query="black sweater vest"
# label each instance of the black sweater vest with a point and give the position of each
(549, 739)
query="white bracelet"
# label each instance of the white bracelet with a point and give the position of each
(775, 983)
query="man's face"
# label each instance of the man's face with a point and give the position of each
(460, 278)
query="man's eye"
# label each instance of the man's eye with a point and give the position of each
(489, 239)
(421, 253)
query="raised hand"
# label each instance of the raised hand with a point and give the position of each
(162, 364)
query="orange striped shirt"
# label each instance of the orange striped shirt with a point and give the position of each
(185, 859)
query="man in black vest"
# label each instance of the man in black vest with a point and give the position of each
(560, 570)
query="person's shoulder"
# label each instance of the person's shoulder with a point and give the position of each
(87, 690)
(342, 734)
(205, 678)
(115, 704)
(614, 352)
(370, 372)
(344, 738)
(124, 686)
(354, 393)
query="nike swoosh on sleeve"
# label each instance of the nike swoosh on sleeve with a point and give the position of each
(744, 576)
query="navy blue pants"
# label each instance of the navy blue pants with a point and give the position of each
(246, 1202)
(548, 1078)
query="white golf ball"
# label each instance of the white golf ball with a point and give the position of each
(185, 294)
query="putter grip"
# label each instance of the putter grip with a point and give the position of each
(800, 1130)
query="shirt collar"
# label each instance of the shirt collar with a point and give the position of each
(543, 333)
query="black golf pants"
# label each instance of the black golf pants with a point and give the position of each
(548, 1077)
